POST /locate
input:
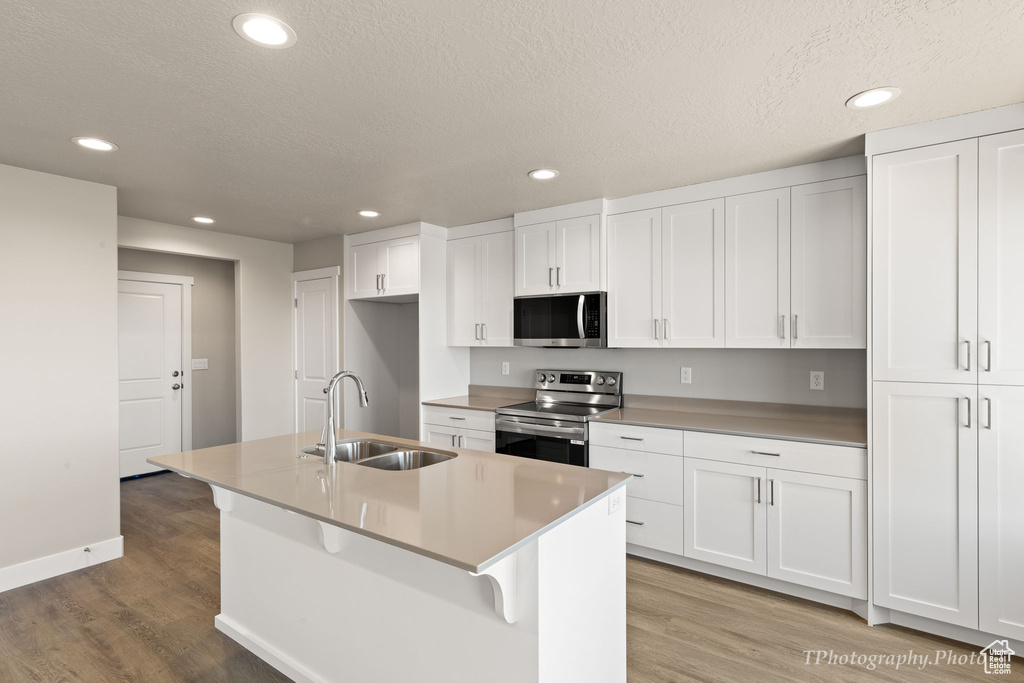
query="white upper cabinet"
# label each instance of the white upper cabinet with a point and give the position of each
(1001, 510)
(1001, 259)
(829, 264)
(480, 290)
(561, 256)
(666, 276)
(693, 274)
(757, 267)
(388, 268)
(634, 279)
(925, 264)
(925, 498)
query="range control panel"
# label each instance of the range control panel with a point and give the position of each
(593, 381)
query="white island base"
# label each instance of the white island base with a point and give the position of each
(321, 603)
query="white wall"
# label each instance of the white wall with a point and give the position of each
(770, 375)
(263, 308)
(58, 375)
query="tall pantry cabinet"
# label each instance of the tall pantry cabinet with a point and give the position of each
(947, 365)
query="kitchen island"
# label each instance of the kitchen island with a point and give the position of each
(483, 567)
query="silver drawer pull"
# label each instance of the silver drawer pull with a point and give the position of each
(629, 521)
(631, 438)
(776, 455)
(634, 474)
(455, 418)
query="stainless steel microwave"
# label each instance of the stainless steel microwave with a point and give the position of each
(561, 320)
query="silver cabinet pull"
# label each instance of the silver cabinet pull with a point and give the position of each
(988, 356)
(968, 411)
(453, 441)
(968, 368)
(378, 282)
(759, 490)
(796, 319)
(551, 274)
(455, 418)
(988, 410)
(655, 328)
(631, 438)
(483, 331)
(771, 490)
(782, 327)
(477, 331)
(383, 282)
(629, 521)
(558, 276)
(634, 474)
(776, 455)
(664, 328)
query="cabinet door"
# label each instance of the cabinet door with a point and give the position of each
(400, 265)
(535, 259)
(480, 441)
(364, 271)
(693, 274)
(925, 500)
(757, 270)
(441, 436)
(1000, 257)
(578, 255)
(463, 295)
(725, 514)
(496, 288)
(829, 265)
(1001, 510)
(817, 531)
(924, 264)
(634, 279)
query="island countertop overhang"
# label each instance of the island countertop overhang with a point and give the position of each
(468, 512)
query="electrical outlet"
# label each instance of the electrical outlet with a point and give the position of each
(818, 380)
(685, 375)
(504, 367)
(615, 501)
(200, 363)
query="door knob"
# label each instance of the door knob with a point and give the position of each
(175, 386)
(175, 373)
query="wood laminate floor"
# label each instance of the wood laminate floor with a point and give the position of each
(149, 617)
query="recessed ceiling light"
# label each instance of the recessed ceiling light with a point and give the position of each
(543, 174)
(95, 143)
(872, 98)
(203, 219)
(264, 30)
(369, 213)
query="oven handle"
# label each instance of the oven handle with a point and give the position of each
(579, 316)
(540, 430)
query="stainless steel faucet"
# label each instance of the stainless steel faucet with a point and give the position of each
(328, 437)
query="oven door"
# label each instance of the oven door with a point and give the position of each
(549, 440)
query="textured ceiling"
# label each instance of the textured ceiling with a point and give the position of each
(433, 110)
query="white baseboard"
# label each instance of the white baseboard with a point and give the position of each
(265, 651)
(60, 563)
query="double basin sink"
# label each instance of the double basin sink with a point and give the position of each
(381, 455)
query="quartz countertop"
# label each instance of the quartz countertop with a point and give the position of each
(468, 512)
(485, 403)
(845, 433)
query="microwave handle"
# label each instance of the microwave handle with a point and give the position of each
(579, 316)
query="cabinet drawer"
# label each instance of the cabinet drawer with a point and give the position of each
(630, 437)
(656, 476)
(654, 525)
(838, 461)
(453, 417)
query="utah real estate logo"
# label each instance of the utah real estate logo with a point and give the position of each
(997, 657)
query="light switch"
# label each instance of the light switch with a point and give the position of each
(200, 363)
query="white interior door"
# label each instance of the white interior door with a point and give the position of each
(1000, 256)
(1001, 510)
(150, 372)
(316, 345)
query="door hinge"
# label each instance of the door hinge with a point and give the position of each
(296, 303)
(296, 374)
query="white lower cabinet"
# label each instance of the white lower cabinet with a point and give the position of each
(725, 519)
(458, 428)
(1001, 510)
(654, 525)
(818, 531)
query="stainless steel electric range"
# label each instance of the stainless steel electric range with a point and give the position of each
(553, 427)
